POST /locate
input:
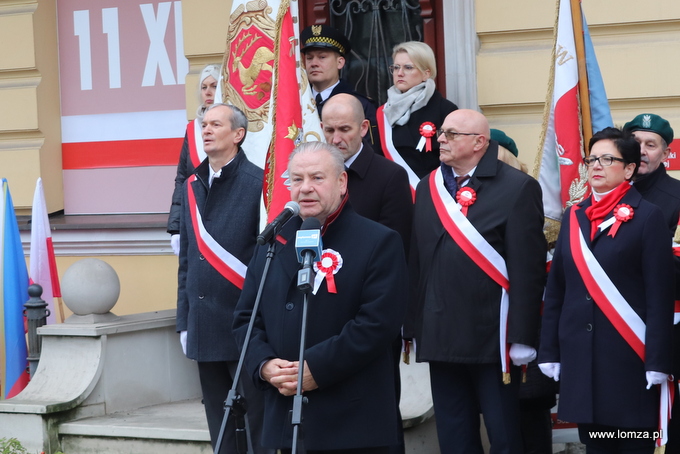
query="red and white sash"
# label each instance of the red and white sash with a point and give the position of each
(617, 310)
(478, 249)
(676, 252)
(390, 150)
(231, 268)
(195, 142)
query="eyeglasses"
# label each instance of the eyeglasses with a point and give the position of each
(407, 69)
(451, 135)
(605, 161)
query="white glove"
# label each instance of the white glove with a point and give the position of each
(183, 339)
(655, 378)
(521, 354)
(551, 370)
(174, 243)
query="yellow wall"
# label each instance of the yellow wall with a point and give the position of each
(148, 283)
(30, 135)
(635, 46)
(205, 36)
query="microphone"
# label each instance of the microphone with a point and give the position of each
(308, 246)
(273, 228)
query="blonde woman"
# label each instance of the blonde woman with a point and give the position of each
(414, 111)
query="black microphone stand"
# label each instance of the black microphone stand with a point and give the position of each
(305, 283)
(235, 403)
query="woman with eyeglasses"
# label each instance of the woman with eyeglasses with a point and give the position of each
(192, 153)
(608, 314)
(414, 111)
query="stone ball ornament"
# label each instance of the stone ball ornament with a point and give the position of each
(90, 286)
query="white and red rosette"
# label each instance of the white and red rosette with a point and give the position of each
(622, 213)
(465, 197)
(327, 267)
(427, 131)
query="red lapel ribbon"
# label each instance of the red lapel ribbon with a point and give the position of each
(622, 213)
(428, 130)
(465, 197)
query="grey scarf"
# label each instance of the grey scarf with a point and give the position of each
(399, 106)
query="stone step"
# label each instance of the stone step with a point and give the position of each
(174, 428)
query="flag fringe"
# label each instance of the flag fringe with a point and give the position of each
(549, 98)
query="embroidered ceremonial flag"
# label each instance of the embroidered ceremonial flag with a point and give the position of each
(43, 270)
(13, 295)
(262, 75)
(559, 166)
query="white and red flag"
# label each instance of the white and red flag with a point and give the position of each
(262, 75)
(577, 107)
(43, 270)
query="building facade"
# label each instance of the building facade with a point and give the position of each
(492, 55)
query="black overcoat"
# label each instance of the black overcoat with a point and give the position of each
(349, 335)
(455, 309)
(406, 137)
(205, 300)
(602, 379)
(379, 190)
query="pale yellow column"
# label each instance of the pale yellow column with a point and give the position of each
(30, 132)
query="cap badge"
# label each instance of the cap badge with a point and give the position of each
(646, 121)
(316, 30)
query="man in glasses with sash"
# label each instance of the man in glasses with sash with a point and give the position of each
(218, 229)
(478, 272)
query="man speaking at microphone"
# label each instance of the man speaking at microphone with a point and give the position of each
(355, 311)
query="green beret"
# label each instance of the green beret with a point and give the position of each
(324, 37)
(652, 123)
(504, 141)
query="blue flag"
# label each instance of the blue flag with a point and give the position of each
(13, 295)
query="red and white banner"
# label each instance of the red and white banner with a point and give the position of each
(122, 71)
(43, 269)
(561, 167)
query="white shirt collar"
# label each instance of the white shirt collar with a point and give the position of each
(213, 174)
(354, 157)
(470, 173)
(325, 93)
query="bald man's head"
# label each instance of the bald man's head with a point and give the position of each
(344, 124)
(464, 141)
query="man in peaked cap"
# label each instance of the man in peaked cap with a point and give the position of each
(654, 134)
(324, 49)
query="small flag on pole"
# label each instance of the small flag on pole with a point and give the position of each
(13, 295)
(43, 269)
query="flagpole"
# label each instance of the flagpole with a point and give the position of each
(586, 120)
(61, 309)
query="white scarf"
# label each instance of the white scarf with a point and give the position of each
(399, 106)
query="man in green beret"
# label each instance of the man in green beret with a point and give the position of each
(654, 134)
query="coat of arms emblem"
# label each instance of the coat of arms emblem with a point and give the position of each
(248, 62)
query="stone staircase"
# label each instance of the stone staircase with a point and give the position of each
(173, 428)
(114, 385)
